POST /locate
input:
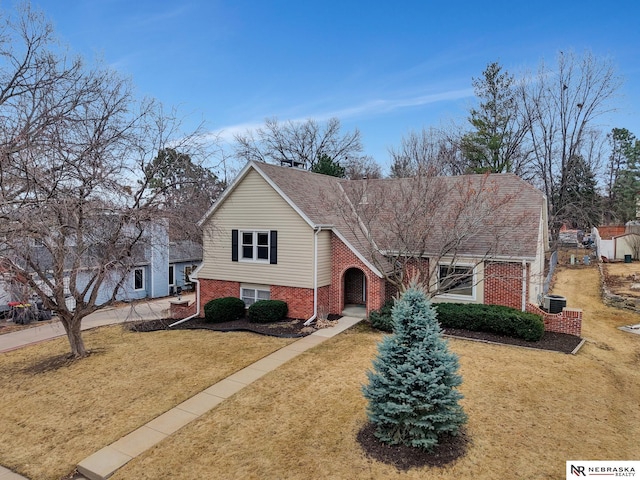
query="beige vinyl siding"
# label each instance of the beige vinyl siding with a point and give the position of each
(324, 258)
(255, 205)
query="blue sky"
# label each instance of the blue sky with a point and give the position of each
(383, 67)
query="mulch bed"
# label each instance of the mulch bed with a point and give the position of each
(557, 342)
(294, 328)
(290, 328)
(449, 449)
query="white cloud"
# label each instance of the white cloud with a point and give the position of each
(367, 109)
(376, 107)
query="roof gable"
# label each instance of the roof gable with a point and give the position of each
(252, 166)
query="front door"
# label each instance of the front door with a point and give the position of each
(355, 287)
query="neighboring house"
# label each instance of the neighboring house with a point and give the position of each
(276, 233)
(161, 268)
(5, 296)
(184, 258)
(617, 242)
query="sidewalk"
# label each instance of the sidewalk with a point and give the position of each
(147, 310)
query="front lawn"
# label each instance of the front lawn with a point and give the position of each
(54, 413)
(529, 411)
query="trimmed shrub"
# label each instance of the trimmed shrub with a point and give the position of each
(491, 318)
(475, 317)
(381, 319)
(226, 309)
(267, 311)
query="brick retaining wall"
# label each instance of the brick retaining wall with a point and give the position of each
(569, 321)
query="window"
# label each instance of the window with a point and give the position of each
(172, 277)
(255, 246)
(456, 280)
(138, 278)
(252, 295)
(187, 273)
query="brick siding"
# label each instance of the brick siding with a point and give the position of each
(503, 284)
(212, 289)
(299, 300)
(342, 259)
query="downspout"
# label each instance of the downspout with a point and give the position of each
(315, 277)
(524, 285)
(197, 305)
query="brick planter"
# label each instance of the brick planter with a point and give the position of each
(568, 321)
(181, 309)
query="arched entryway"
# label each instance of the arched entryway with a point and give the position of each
(354, 288)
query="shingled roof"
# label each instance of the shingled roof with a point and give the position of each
(497, 215)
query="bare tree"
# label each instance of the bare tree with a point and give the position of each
(77, 206)
(429, 152)
(299, 143)
(365, 166)
(561, 106)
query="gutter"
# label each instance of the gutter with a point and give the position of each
(313, 317)
(524, 286)
(197, 305)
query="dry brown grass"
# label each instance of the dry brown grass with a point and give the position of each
(529, 411)
(52, 420)
(620, 277)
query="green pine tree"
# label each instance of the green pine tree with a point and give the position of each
(412, 389)
(328, 166)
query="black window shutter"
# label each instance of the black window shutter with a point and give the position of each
(234, 245)
(273, 247)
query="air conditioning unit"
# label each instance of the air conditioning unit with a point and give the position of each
(553, 303)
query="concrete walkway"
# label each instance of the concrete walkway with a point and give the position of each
(106, 461)
(147, 310)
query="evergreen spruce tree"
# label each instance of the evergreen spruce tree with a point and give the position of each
(411, 391)
(328, 166)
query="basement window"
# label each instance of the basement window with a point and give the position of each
(252, 295)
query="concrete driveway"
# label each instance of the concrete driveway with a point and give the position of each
(144, 310)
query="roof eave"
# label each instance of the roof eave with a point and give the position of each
(512, 258)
